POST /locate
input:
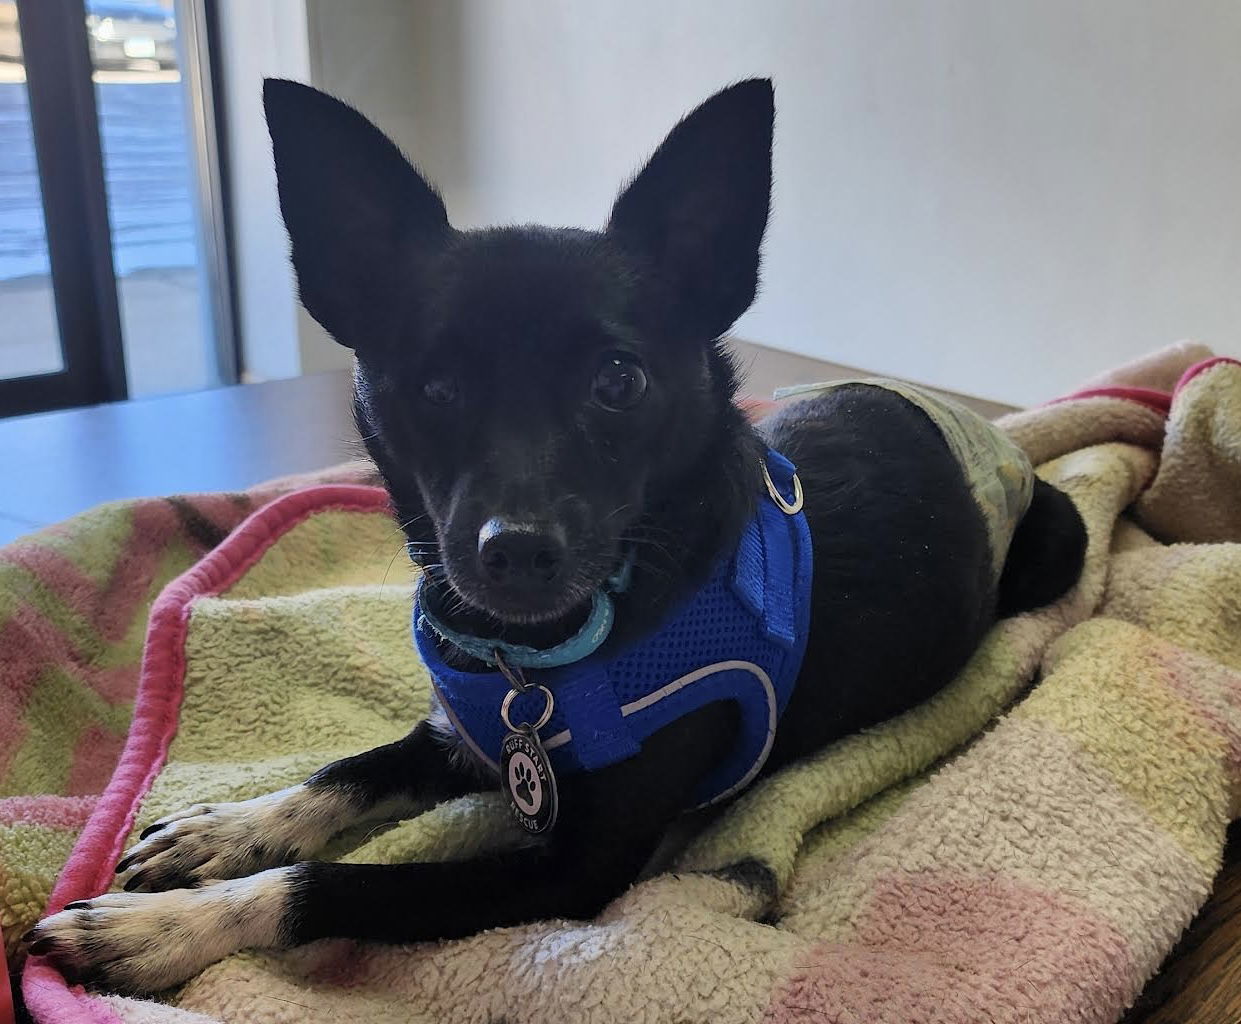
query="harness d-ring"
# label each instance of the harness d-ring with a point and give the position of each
(544, 718)
(789, 509)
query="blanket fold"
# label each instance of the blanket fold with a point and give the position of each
(1026, 846)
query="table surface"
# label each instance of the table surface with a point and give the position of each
(55, 465)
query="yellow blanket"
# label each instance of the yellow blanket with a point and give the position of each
(997, 854)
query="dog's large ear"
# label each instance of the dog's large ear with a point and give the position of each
(359, 216)
(697, 212)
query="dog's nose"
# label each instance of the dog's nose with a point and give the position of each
(524, 554)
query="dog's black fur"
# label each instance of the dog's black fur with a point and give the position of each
(495, 391)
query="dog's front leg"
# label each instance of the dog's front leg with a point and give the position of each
(144, 942)
(209, 842)
(571, 876)
(610, 823)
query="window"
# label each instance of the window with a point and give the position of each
(113, 260)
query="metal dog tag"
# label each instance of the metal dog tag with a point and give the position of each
(525, 770)
(529, 780)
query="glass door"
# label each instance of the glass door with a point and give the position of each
(156, 123)
(114, 277)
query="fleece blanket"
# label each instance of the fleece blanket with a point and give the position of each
(1026, 846)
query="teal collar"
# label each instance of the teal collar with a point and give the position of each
(582, 644)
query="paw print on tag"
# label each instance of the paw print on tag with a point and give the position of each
(523, 783)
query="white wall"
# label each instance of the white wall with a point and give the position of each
(999, 198)
(363, 53)
(259, 40)
(359, 52)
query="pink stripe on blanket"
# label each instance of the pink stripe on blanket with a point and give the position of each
(1159, 401)
(89, 870)
(109, 605)
(24, 637)
(958, 950)
(1202, 367)
(30, 643)
(95, 754)
(47, 811)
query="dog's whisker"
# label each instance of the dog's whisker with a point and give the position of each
(391, 562)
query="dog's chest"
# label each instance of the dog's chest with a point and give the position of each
(740, 638)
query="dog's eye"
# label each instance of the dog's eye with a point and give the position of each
(620, 382)
(440, 390)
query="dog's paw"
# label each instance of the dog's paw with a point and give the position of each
(209, 842)
(146, 942)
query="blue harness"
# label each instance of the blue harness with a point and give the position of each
(741, 637)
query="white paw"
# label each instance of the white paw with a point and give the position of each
(145, 942)
(208, 842)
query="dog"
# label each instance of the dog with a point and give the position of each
(554, 415)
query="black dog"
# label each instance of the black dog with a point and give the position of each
(547, 406)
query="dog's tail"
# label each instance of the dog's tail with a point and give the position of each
(1046, 555)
